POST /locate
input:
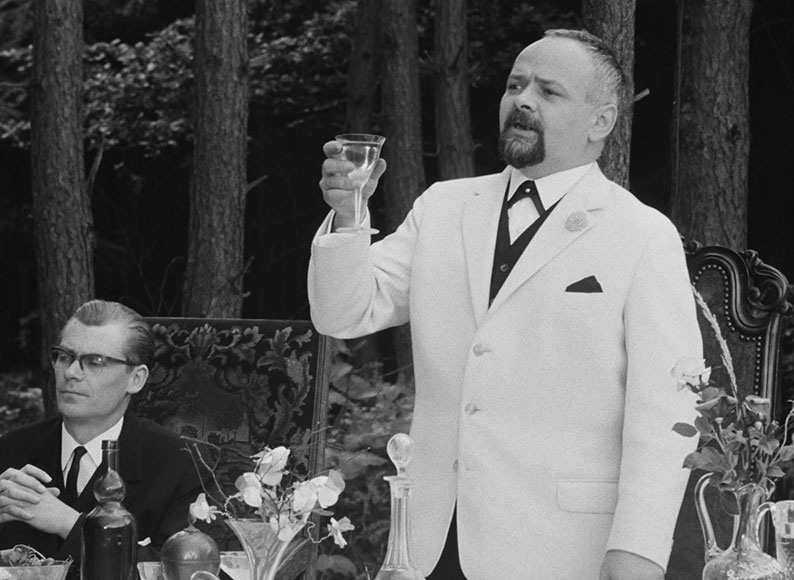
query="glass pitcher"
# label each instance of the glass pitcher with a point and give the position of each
(743, 559)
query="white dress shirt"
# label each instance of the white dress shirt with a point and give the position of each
(551, 189)
(93, 456)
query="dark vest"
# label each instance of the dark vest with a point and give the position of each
(506, 254)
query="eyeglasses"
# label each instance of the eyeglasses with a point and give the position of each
(62, 358)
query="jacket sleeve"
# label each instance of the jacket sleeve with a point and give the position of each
(660, 328)
(356, 288)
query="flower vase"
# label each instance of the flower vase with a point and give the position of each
(743, 559)
(266, 553)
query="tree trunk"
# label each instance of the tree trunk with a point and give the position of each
(613, 22)
(454, 143)
(64, 230)
(404, 180)
(362, 79)
(711, 129)
(213, 284)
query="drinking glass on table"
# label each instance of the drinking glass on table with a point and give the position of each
(362, 150)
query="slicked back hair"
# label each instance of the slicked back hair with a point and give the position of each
(610, 78)
(140, 340)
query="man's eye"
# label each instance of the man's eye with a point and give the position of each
(65, 358)
(94, 360)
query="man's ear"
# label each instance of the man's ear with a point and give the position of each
(604, 119)
(138, 378)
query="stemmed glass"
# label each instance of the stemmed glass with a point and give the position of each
(362, 150)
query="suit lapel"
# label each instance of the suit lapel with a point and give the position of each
(480, 223)
(576, 213)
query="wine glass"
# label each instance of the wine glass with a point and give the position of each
(362, 150)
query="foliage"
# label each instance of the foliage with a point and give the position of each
(740, 443)
(20, 402)
(367, 411)
(138, 97)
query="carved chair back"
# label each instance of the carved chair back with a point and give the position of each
(234, 386)
(748, 299)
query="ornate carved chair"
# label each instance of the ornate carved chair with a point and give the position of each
(240, 385)
(748, 298)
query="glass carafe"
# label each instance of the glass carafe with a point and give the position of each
(743, 559)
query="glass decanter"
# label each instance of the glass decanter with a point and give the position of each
(397, 565)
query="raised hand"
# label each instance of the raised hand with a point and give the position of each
(339, 189)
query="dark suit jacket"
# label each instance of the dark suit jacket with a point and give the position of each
(160, 476)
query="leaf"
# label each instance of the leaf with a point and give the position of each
(787, 453)
(685, 429)
(703, 425)
(775, 471)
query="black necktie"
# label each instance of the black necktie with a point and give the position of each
(527, 189)
(74, 470)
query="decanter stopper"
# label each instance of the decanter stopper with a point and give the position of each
(397, 564)
(401, 450)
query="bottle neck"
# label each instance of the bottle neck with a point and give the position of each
(397, 556)
(110, 456)
(110, 486)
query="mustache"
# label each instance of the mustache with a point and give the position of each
(523, 120)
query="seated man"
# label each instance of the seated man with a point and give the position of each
(101, 361)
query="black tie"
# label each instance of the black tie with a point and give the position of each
(527, 189)
(71, 479)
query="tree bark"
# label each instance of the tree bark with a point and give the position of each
(454, 143)
(213, 284)
(613, 22)
(711, 129)
(64, 230)
(362, 78)
(404, 180)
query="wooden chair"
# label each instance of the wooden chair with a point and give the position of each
(748, 298)
(241, 385)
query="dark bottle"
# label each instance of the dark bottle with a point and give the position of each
(110, 534)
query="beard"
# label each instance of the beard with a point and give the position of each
(514, 149)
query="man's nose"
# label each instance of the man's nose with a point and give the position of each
(74, 369)
(527, 99)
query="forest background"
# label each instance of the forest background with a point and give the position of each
(139, 144)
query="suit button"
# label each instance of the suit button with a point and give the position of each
(470, 409)
(504, 267)
(479, 350)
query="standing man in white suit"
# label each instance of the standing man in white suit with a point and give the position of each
(544, 331)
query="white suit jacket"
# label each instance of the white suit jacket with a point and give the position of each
(546, 418)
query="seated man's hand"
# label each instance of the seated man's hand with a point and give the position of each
(24, 497)
(51, 515)
(19, 489)
(619, 565)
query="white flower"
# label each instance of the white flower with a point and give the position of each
(323, 490)
(286, 527)
(691, 372)
(250, 489)
(336, 528)
(305, 497)
(201, 509)
(270, 465)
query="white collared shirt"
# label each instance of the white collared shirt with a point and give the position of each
(551, 189)
(93, 456)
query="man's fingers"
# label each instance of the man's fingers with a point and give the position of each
(29, 476)
(38, 473)
(332, 149)
(13, 512)
(10, 490)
